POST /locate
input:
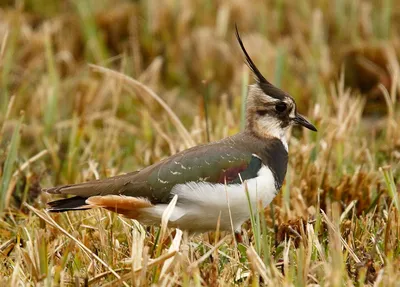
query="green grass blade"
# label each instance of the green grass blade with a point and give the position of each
(51, 109)
(6, 64)
(9, 165)
(280, 67)
(97, 50)
(391, 185)
(244, 87)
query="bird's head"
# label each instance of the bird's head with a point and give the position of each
(269, 110)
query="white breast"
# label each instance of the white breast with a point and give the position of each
(200, 203)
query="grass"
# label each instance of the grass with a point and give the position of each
(91, 89)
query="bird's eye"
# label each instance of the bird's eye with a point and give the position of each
(280, 107)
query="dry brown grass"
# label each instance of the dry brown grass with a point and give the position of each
(336, 221)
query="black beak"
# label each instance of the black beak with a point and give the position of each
(299, 119)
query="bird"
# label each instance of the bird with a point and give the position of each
(219, 182)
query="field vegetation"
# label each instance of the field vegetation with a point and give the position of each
(95, 88)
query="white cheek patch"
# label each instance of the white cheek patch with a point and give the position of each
(272, 126)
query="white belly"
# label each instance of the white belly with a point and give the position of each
(200, 204)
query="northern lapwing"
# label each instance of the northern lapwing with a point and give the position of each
(211, 181)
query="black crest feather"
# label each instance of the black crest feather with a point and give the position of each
(259, 77)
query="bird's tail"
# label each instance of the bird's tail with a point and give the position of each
(83, 191)
(66, 204)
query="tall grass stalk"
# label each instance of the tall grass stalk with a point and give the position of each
(391, 185)
(97, 50)
(244, 89)
(9, 165)
(385, 18)
(51, 109)
(8, 48)
(279, 67)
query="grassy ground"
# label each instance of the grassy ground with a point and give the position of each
(335, 222)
